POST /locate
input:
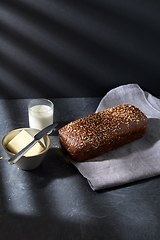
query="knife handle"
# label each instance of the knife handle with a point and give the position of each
(17, 156)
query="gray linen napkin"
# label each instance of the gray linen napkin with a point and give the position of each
(134, 161)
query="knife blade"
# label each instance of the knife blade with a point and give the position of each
(37, 137)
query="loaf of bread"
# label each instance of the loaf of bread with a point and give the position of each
(100, 132)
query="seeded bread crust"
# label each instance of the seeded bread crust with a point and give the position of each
(100, 132)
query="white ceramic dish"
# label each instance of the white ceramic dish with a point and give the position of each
(27, 163)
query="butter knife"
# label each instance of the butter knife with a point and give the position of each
(37, 137)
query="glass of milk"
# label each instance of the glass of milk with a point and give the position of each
(40, 112)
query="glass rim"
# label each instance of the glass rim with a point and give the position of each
(51, 107)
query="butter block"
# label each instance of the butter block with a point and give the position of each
(20, 141)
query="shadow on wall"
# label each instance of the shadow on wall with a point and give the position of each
(68, 49)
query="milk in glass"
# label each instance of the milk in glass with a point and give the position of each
(40, 116)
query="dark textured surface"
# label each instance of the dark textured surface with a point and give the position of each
(54, 201)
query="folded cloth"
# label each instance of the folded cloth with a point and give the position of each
(134, 161)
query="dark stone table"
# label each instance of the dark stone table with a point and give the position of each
(55, 201)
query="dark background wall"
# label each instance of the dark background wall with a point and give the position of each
(69, 48)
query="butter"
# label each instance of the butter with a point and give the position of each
(20, 141)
